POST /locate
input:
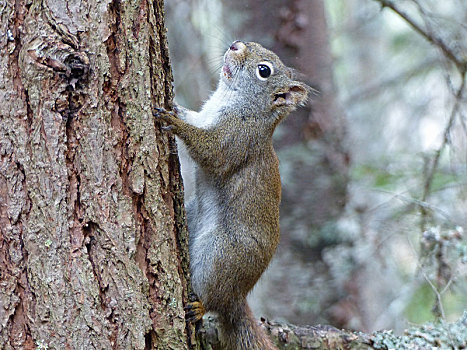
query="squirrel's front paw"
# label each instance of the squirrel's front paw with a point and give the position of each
(167, 116)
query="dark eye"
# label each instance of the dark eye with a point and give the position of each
(264, 70)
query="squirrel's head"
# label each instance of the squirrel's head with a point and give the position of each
(263, 79)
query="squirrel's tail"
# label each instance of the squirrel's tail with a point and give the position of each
(240, 330)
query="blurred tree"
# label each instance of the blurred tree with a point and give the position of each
(401, 78)
(314, 160)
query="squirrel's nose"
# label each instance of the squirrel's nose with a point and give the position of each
(237, 46)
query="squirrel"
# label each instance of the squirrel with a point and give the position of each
(233, 217)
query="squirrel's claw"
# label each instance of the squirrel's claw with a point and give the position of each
(160, 112)
(168, 117)
(193, 297)
(194, 310)
(167, 128)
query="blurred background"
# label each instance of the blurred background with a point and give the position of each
(374, 169)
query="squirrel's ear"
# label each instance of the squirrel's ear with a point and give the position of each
(294, 95)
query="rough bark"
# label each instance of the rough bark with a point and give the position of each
(91, 253)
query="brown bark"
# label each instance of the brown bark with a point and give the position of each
(91, 254)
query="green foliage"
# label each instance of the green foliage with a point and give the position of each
(442, 180)
(378, 176)
(400, 41)
(418, 310)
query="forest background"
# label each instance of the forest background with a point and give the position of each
(374, 172)
(93, 238)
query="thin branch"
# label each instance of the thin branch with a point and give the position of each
(377, 87)
(439, 300)
(408, 199)
(460, 63)
(435, 163)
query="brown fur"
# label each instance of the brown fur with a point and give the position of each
(234, 216)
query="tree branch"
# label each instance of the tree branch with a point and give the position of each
(460, 63)
(291, 337)
(435, 163)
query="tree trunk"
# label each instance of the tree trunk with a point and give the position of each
(92, 226)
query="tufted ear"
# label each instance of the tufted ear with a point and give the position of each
(294, 95)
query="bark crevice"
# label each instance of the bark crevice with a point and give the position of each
(100, 269)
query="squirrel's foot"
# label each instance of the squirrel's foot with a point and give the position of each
(194, 310)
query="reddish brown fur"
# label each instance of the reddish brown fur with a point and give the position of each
(234, 217)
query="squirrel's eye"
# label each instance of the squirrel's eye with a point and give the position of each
(264, 70)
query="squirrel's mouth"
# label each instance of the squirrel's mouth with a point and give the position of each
(226, 71)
